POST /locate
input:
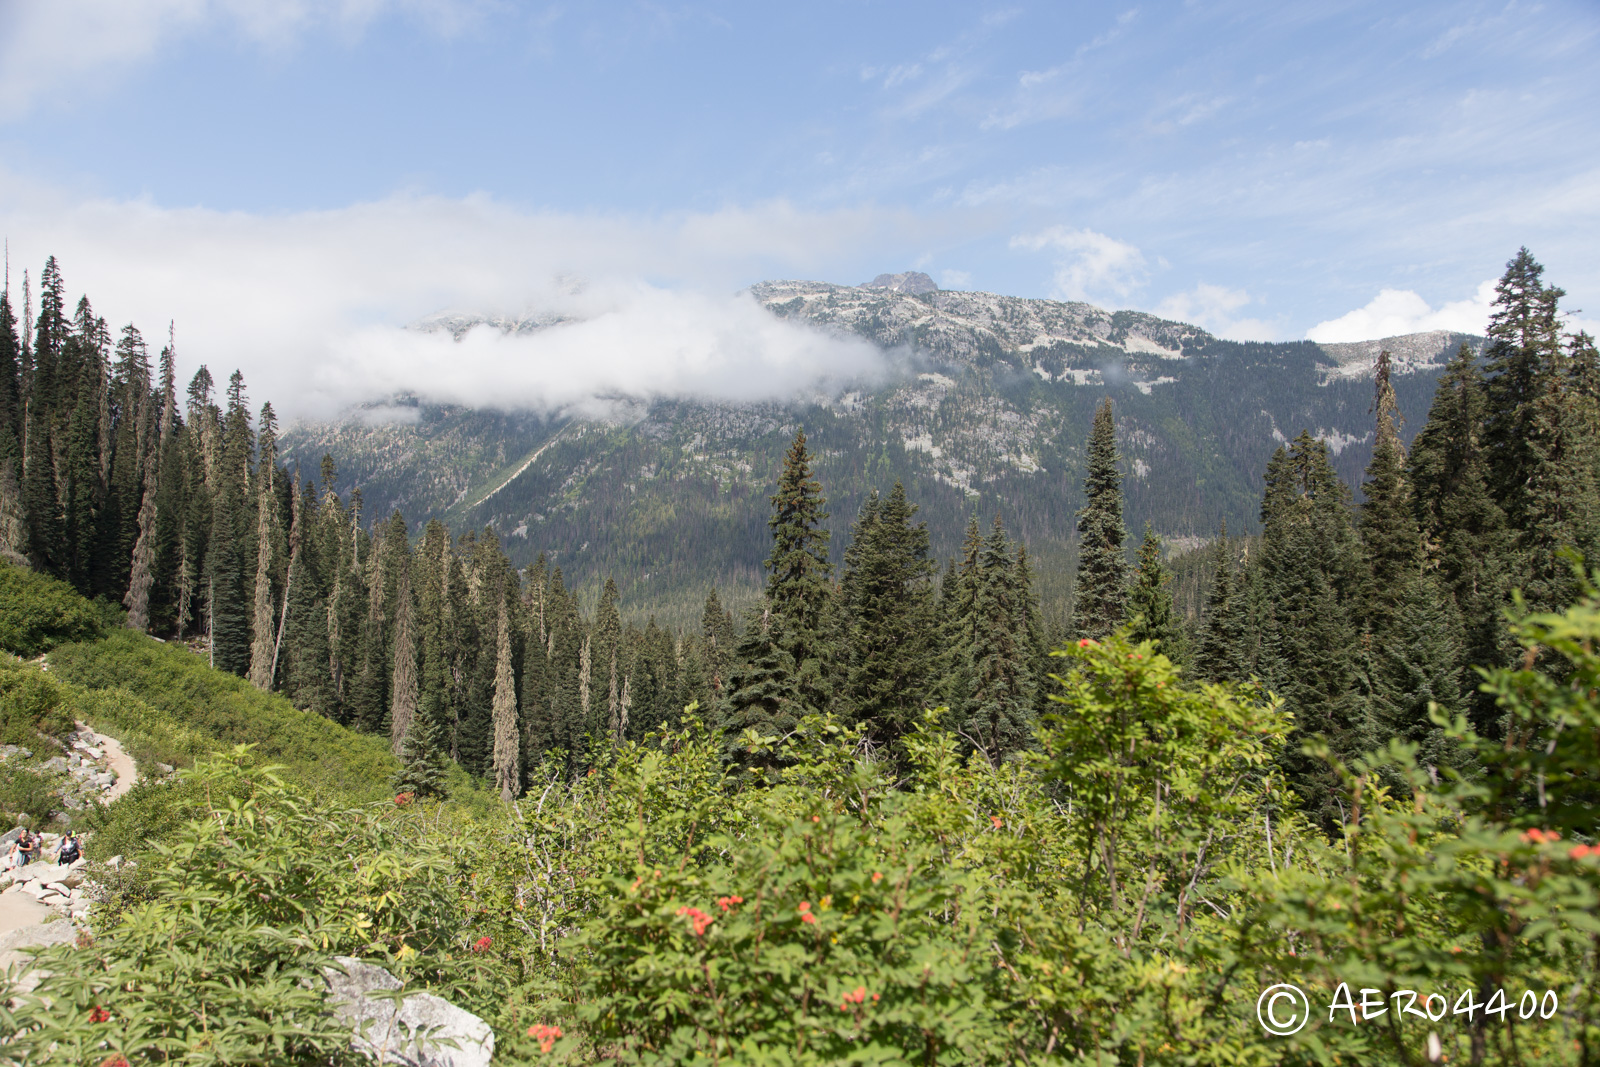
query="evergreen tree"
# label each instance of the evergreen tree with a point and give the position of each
(888, 613)
(1310, 566)
(403, 685)
(1150, 600)
(1101, 593)
(1412, 631)
(1463, 527)
(764, 696)
(1000, 705)
(507, 743)
(716, 627)
(263, 628)
(1221, 652)
(799, 574)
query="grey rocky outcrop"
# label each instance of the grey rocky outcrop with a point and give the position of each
(419, 1030)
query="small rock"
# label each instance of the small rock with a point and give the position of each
(94, 753)
(165, 768)
(405, 1031)
(9, 836)
(114, 862)
(57, 764)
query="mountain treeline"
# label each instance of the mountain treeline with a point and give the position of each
(1366, 619)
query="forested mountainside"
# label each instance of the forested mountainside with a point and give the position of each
(986, 412)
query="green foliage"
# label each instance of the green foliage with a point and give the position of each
(28, 796)
(1101, 594)
(227, 711)
(38, 612)
(32, 704)
(248, 903)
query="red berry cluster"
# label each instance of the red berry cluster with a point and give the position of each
(856, 997)
(1580, 851)
(402, 799)
(1537, 836)
(697, 919)
(805, 912)
(545, 1035)
(482, 944)
(725, 903)
(99, 1014)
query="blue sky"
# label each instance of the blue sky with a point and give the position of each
(294, 169)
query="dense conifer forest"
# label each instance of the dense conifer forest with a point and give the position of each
(1361, 618)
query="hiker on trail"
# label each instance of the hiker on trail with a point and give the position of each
(71, 851)
(13, 856)
(26, 848)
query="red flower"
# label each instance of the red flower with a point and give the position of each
(997, 820)
(99, 1014)
(877, 876)
(1085, 642)
(808, 918)
(855, 997)
(402, 799)
(1537, 836)
(482, 944)
(545, 1035)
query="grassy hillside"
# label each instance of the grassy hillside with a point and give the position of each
(169, 699)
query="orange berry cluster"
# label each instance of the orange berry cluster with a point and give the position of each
(545, 1035)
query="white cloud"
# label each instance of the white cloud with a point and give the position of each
(311, 306)
(1089, 265)
(1400, 311)
(955, 279)
(1215, 307)
(62, 45)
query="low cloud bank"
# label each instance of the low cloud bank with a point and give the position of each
(1400, 311)
(313, 307)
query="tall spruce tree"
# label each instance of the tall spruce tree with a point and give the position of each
(1463, 527)
(1412, 633)
(1100, 595)
(888, 613)
(1220, 655)
(1150, 600)
(1310, 565)
(799, 574)
(1000, 705)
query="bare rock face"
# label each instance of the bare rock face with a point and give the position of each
(912, 281)
(420, 1030)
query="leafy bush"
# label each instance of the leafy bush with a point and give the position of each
(38, 612)
(222, 964)
(27, 795)
(32, 703)
(199, 708)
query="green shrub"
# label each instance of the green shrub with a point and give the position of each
(32, 703)
(222, 963)
(146, 733)
(178, 700)
(27, 795)
(38, 613)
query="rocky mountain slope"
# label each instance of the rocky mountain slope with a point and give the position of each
(986, 412)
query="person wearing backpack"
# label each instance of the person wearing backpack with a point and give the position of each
(27, 847)
(71, 850)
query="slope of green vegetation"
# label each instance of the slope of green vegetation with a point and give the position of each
(1123, 891)
(138, 684)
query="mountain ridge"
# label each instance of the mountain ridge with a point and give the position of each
(985, 410)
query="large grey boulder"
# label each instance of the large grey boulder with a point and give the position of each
(420, 1030)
